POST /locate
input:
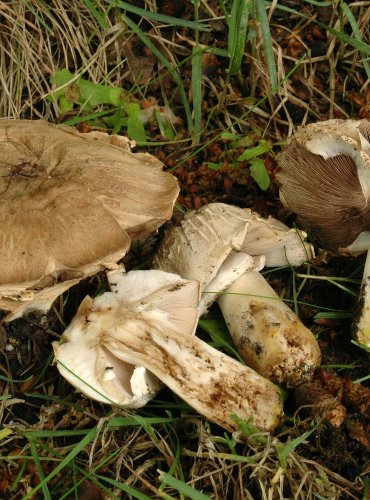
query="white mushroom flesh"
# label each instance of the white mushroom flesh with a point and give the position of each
(83, 357)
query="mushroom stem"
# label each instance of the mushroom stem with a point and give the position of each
(211, 382)
(362, 327)
(268, 335)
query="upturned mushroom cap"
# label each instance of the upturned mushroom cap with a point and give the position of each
(199, 246)
(324, 176)
(70, 204)
(123, 342)
(83, 357)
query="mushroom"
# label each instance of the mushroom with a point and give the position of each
(70, 205)
(324, 176)
(120, 344)
(268, 335)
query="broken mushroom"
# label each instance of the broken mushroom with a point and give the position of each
(70, 205)
(123, 342)
(324, 176)
(223, 247)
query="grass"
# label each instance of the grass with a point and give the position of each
(227, 82)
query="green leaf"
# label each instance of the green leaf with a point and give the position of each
(248, 428)
(228, 136)
(217, 330)
(135, 126)
(214, 166)
(259, 174)
(249, 154)
(81, 91)
(166, 128)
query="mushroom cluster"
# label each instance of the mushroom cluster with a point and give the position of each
(70, 204)
(324, 176)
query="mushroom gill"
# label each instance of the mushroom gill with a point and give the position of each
(326, 195)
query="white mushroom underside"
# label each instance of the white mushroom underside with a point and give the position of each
(83, 357)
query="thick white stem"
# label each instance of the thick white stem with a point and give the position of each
(268, 335)
(362, 327)
(216, 385)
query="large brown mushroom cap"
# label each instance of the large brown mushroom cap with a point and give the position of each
(324, 176)
(70, 204)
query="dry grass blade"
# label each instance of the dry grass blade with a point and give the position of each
(39, 38)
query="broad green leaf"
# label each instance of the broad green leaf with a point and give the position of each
(135, 126)
(249, 154)
(259, 173)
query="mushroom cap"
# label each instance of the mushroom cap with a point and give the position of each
(202, 248)
(140, 298)
(70, 204)
(198, 247)
(324, 176)
(279, 244)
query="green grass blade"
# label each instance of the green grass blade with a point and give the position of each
(65, 462)
(356, 32)
(357, 44)
(117, 422)
(237, 34)
(285, 449)
(161, 18)
(56, 434)
(260, 7)
(196, 81)
(22, 470)
(319, 4)
(172, 69)
(196, 87)
(100, 17)
(40, 472)
(182, 487)
(124, 487)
